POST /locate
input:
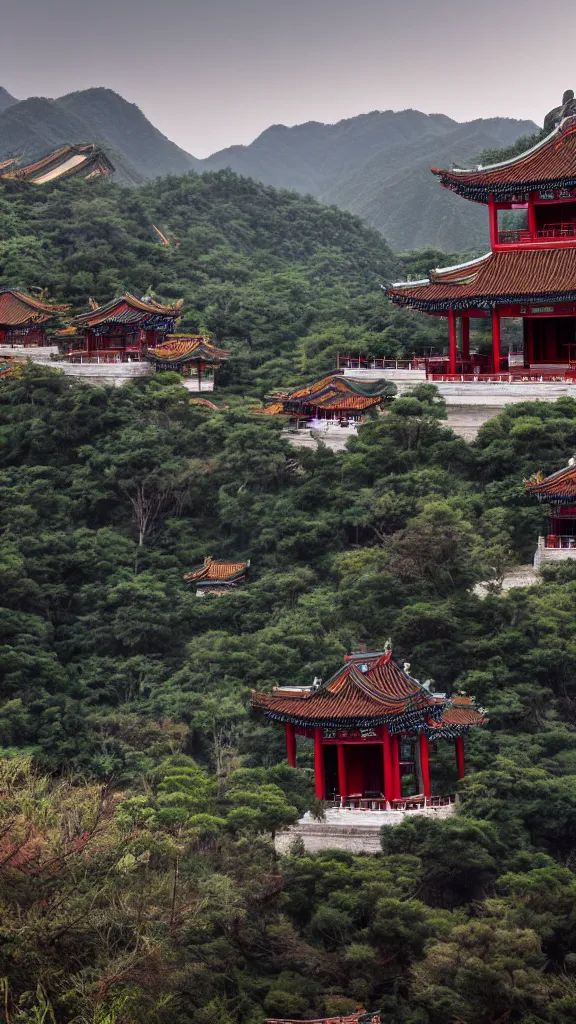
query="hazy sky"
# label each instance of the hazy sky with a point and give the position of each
(211, 73)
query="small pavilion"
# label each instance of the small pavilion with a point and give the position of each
(372, 724)
(558, 492)
(333, 398)
(192, 356)
(120, 331)
(23, 320)
(217, 578)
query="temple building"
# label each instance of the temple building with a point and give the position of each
(529, 272)
(558, 491)
(24, 320)
(192, 356)
(217, 578)
(120, 331)
(334, 403)
(372, 724)
(84, 161)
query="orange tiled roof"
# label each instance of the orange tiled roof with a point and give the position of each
(551, 164)
(531, 275)
(559, 486)
(220, 571)
(126, 309)
(17, 309)
(187, 347)
(331, 392)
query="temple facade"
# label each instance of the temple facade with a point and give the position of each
(372, 724)
(558, 492)
(122, 330)
(213, 577)
(24, 321)
(190, 355)
(528, 274)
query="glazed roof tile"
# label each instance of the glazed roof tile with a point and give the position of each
(127, 309)
(549, 164)
(86, 159)
(331, 392)
(212, 570)
(558, 486)
(528, 275)
(178, 348)
(17, 309)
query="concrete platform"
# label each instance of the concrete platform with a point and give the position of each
(521, 576)
(357, 831)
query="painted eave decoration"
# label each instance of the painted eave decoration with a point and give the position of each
(515, 276)
(212, 572)
(187, 348)
(371, 689)
(86, 160)
(127, 309)
(550, 164)
(557, 487)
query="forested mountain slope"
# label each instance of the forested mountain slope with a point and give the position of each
(279, 278)
(6, 100)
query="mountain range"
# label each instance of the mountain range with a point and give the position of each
(376, 165)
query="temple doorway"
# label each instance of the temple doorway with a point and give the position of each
(553, 340)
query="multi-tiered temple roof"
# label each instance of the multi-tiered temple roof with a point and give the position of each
(558, 487)
(86, 161)
(370, 690)
(127, 310)
(177, 350)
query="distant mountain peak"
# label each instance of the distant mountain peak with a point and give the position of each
(6, 100)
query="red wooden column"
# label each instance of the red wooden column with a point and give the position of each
(460, 756)
(319, 765)
(528, 341)
(465, 322)
(342, 778)
(291, 744)
(532, 227)
(388, 765)
(493, 219)
(396, 766)
(424, 763)
(452, 340)
(496, 339)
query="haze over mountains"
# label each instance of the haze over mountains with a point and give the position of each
(376, 165)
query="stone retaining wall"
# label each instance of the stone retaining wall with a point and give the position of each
(357, 831)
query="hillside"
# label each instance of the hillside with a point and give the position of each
(6, 100)
(31, 128)
(378, 166)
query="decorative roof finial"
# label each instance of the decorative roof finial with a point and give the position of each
(566, 109)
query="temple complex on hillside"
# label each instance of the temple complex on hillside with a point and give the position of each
(85, 161)
(120, 331)
(192, 356)
(23, 320)
(558, 491)
(529, 272)
(214, 577)
(372, 724)
(333, 400)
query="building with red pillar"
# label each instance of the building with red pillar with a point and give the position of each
(24, 321)
(530, 271)
(558, 492)
(120, 331)
(372, 724)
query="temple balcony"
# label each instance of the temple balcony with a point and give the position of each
(554, 548)
(357, 829)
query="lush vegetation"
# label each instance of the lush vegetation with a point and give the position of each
(138, 881)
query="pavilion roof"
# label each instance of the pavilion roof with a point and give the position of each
(127, 309)
(87, 160)
(550, 164)
(529, 275)
(18, 309)
(185, 348)
(558, 486)
(331, 392)
(213, 572)
(370, 689)
(456, 719)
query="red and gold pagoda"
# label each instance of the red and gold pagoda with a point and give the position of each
(120, 331)
(530, 271)
(371, 724)
(191, 355)
(23, 320)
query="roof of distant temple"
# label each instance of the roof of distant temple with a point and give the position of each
(87, 161)
(370, 689)
(559, 486)
(127, 309)
(183, 348)
(530, 275)
(213, 572)
(551, 164)
(331, 392)
(18, 309)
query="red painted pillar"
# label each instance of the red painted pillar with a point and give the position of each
(496, 339)
(452, 343)
(291, 744)
(532, 227)
(424, 763)
(493, 218)
(460, 756)
(319, 765)
(528, 342)
(465, 321)
(342, 779)
(396, 767)
(388, 767)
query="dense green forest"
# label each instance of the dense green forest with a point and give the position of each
(139, 796)
(280, 279)
(138, 880)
